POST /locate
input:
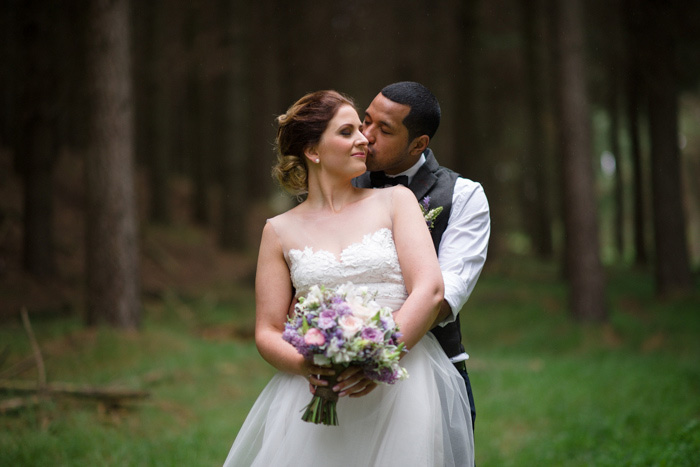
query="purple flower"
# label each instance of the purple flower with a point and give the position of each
(342, 309)
(383, 375)
(325, 322)
(425, 202)
(372, 334)
(326, 319)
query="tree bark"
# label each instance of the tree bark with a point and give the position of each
(154, 103)
(37, 149)
(468, 157)
(112, 259)
(204, 100)
(536, 178)
(618, 191)
(615, 61)
(634, 111)
(265, 92)
(10, 54)
(641, 254)
(672, 269)
(237, 117)
(584, 270)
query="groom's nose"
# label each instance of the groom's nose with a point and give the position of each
(369, 134)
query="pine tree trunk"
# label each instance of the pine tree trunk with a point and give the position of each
(615, 61)
(618, 190)
(38, 142)
(640, 245)
(265, 96)
(469, 160)
(671, 262)
(536, 178)
(236, 147)
(154, 104)
(11, 55)
(112, 259)
(584, 269)
(634, 110)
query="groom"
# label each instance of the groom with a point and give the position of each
(399, 123)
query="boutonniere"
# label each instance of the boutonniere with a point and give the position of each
(429, 214)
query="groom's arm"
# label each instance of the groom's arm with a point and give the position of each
(463, 247)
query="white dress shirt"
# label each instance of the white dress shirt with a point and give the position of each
(464, 243)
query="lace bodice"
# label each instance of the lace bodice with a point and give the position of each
(373, 262)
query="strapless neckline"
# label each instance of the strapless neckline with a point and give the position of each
(372, 261)
(366, 238)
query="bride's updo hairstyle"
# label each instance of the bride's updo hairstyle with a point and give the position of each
(299, 128)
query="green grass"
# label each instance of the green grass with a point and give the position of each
(548, 390)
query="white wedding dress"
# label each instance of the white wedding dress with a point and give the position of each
(421, 421)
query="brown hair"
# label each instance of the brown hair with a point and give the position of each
(300, 128)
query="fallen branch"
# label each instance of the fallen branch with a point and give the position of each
(17, 403)
(35, 347)
(17, 368)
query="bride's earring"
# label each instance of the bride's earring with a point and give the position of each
(317, 160)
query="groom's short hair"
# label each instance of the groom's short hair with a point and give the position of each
(424, 117)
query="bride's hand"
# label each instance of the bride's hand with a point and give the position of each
(352, 382)
(314, 374)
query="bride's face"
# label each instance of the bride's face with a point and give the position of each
(343, 148)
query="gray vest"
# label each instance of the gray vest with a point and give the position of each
(438, 183)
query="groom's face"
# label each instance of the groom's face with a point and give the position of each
(388, 148)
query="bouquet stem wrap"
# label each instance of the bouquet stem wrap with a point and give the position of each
(322, 408)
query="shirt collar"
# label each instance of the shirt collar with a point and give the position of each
(411, 171)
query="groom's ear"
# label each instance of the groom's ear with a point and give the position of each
(418, 145)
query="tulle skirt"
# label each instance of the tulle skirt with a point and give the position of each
(423, 421)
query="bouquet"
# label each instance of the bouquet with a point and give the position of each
(342, 327)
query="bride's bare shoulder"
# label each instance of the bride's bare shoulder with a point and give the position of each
(285, 224)
(391, 194)
(287, 217)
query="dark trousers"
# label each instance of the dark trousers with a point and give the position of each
(462, 368)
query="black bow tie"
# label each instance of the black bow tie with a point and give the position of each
(380, 180)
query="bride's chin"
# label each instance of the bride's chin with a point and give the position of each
(357, 174)
(360, 169)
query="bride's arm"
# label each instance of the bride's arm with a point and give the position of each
(419, 266)
(273, 295)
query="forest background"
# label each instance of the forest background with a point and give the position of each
(136, 141)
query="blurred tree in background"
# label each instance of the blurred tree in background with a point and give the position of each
(112, 252)
(208, 79)
(36, 141)
(582, 262)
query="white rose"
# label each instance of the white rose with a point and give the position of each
(350, 325)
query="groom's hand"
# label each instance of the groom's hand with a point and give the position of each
(353, 382)
(443, 314)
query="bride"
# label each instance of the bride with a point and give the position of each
(374, 238)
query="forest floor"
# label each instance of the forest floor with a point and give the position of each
(181, 256)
